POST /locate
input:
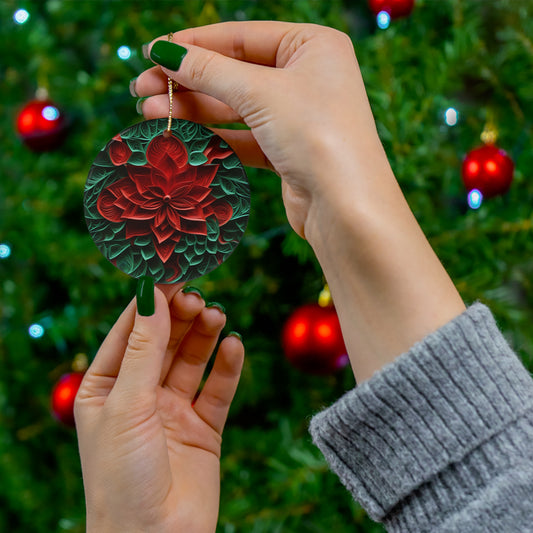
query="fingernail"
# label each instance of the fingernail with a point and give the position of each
(193, 290)
(145, 50)
(167, 54)
(139, 105)
(220, 307)
(235, 334)
(145, 296)
(133, 92)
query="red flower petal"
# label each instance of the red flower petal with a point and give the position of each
(137, 228)
(118, 188)
(166, 154)
(119, 152)
(134, 212)
(106, 206)
(161, 217)
(205, 174)
(162, 233)
(141, 177)
(164, 250)
(194, 213)
(214, 151)
(196, 196)
(223, 211)
(195, 227)
(174, 219)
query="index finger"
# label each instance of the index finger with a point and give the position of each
(252, 41)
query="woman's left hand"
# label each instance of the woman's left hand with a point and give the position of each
(149, 444)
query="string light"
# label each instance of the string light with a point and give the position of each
(36, 331)
(21, 16)
(475, 199)
(5, 251)
(451, 116)
(124, 52)
(50, 112)
(383, 20)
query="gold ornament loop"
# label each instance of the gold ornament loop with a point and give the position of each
(172, 86)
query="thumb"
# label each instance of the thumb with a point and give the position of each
(141, 367)
(229, 80)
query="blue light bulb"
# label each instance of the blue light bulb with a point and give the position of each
(124, 52)
(475, 199)
(383, 20)
(36, 331)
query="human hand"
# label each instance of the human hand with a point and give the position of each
(150, 452)
(309, 117)
(299, 89)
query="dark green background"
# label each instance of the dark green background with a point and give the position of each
(476, 55)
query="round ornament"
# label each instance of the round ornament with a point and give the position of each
(41, 125)
(312, 340)
(488, 169)
(167, 201)
(395, 8)
(63, 396)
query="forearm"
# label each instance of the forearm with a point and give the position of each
(388, 286)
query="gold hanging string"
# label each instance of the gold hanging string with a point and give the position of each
(171, 87)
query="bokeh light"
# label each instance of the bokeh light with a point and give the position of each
(124, 52)
(383, 20)
(21, 16)
(5, 251)
(451, 116)
(475, 199)
(36, 331)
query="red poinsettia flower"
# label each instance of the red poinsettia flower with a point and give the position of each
(167, 197)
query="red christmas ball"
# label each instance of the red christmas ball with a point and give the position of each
(312, 340)
(41, 125)
(63, 396)
(395, 8)
(488, 169)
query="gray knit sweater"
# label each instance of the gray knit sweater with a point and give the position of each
(440, 440)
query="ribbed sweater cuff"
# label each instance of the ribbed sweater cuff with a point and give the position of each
(420, 430)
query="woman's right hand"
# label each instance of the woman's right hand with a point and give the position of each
(296, 86)
(299, 89)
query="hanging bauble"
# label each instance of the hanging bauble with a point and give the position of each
(312, 340)
(41, 125)
(488, 169)
(394, 8)
(63, 396)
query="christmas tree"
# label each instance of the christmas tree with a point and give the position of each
(436, 78)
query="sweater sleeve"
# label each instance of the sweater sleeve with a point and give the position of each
(440, 440)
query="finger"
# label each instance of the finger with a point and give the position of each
(224, 78)
(150, 82)
(184, 308)
(190, 106)
(215, 399)
(147, 343)
(169, 290)
(251, 41)
(185, 373)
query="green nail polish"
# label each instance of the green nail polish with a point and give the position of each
(235, 334)
(145, 296)
(168, 55)
(220, 307)
(193, 290)
(133, 92)
(139, 105)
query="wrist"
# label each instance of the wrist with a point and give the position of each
(389, 288)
